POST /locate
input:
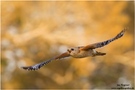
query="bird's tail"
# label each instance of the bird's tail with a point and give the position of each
(99, 54)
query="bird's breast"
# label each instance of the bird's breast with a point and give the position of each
(83, 54)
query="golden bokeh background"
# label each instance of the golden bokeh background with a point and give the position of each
(34, 31)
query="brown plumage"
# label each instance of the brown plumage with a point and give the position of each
(78, 52)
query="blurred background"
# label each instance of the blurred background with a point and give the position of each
(34, 31)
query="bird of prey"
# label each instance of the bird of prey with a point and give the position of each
(78, 52)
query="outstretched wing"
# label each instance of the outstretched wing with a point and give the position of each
(101, 44)
(38, 66)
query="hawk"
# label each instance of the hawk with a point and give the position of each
(78, 52)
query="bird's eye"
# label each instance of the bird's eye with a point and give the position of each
(72, 49)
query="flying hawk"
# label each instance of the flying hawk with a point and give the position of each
(78, 52)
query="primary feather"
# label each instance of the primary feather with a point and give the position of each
(101, 44)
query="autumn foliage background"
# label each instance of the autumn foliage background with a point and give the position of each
(36, 31)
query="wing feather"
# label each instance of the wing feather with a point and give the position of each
(101, 44)
(39, 65)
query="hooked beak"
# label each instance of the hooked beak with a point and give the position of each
(69, 51)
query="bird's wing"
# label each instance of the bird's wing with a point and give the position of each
(39, 65)
(101, 44)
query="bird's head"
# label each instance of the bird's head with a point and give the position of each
(73, 50)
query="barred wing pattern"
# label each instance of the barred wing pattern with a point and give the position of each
(38, 66)
(101, 44)
(66, 54)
